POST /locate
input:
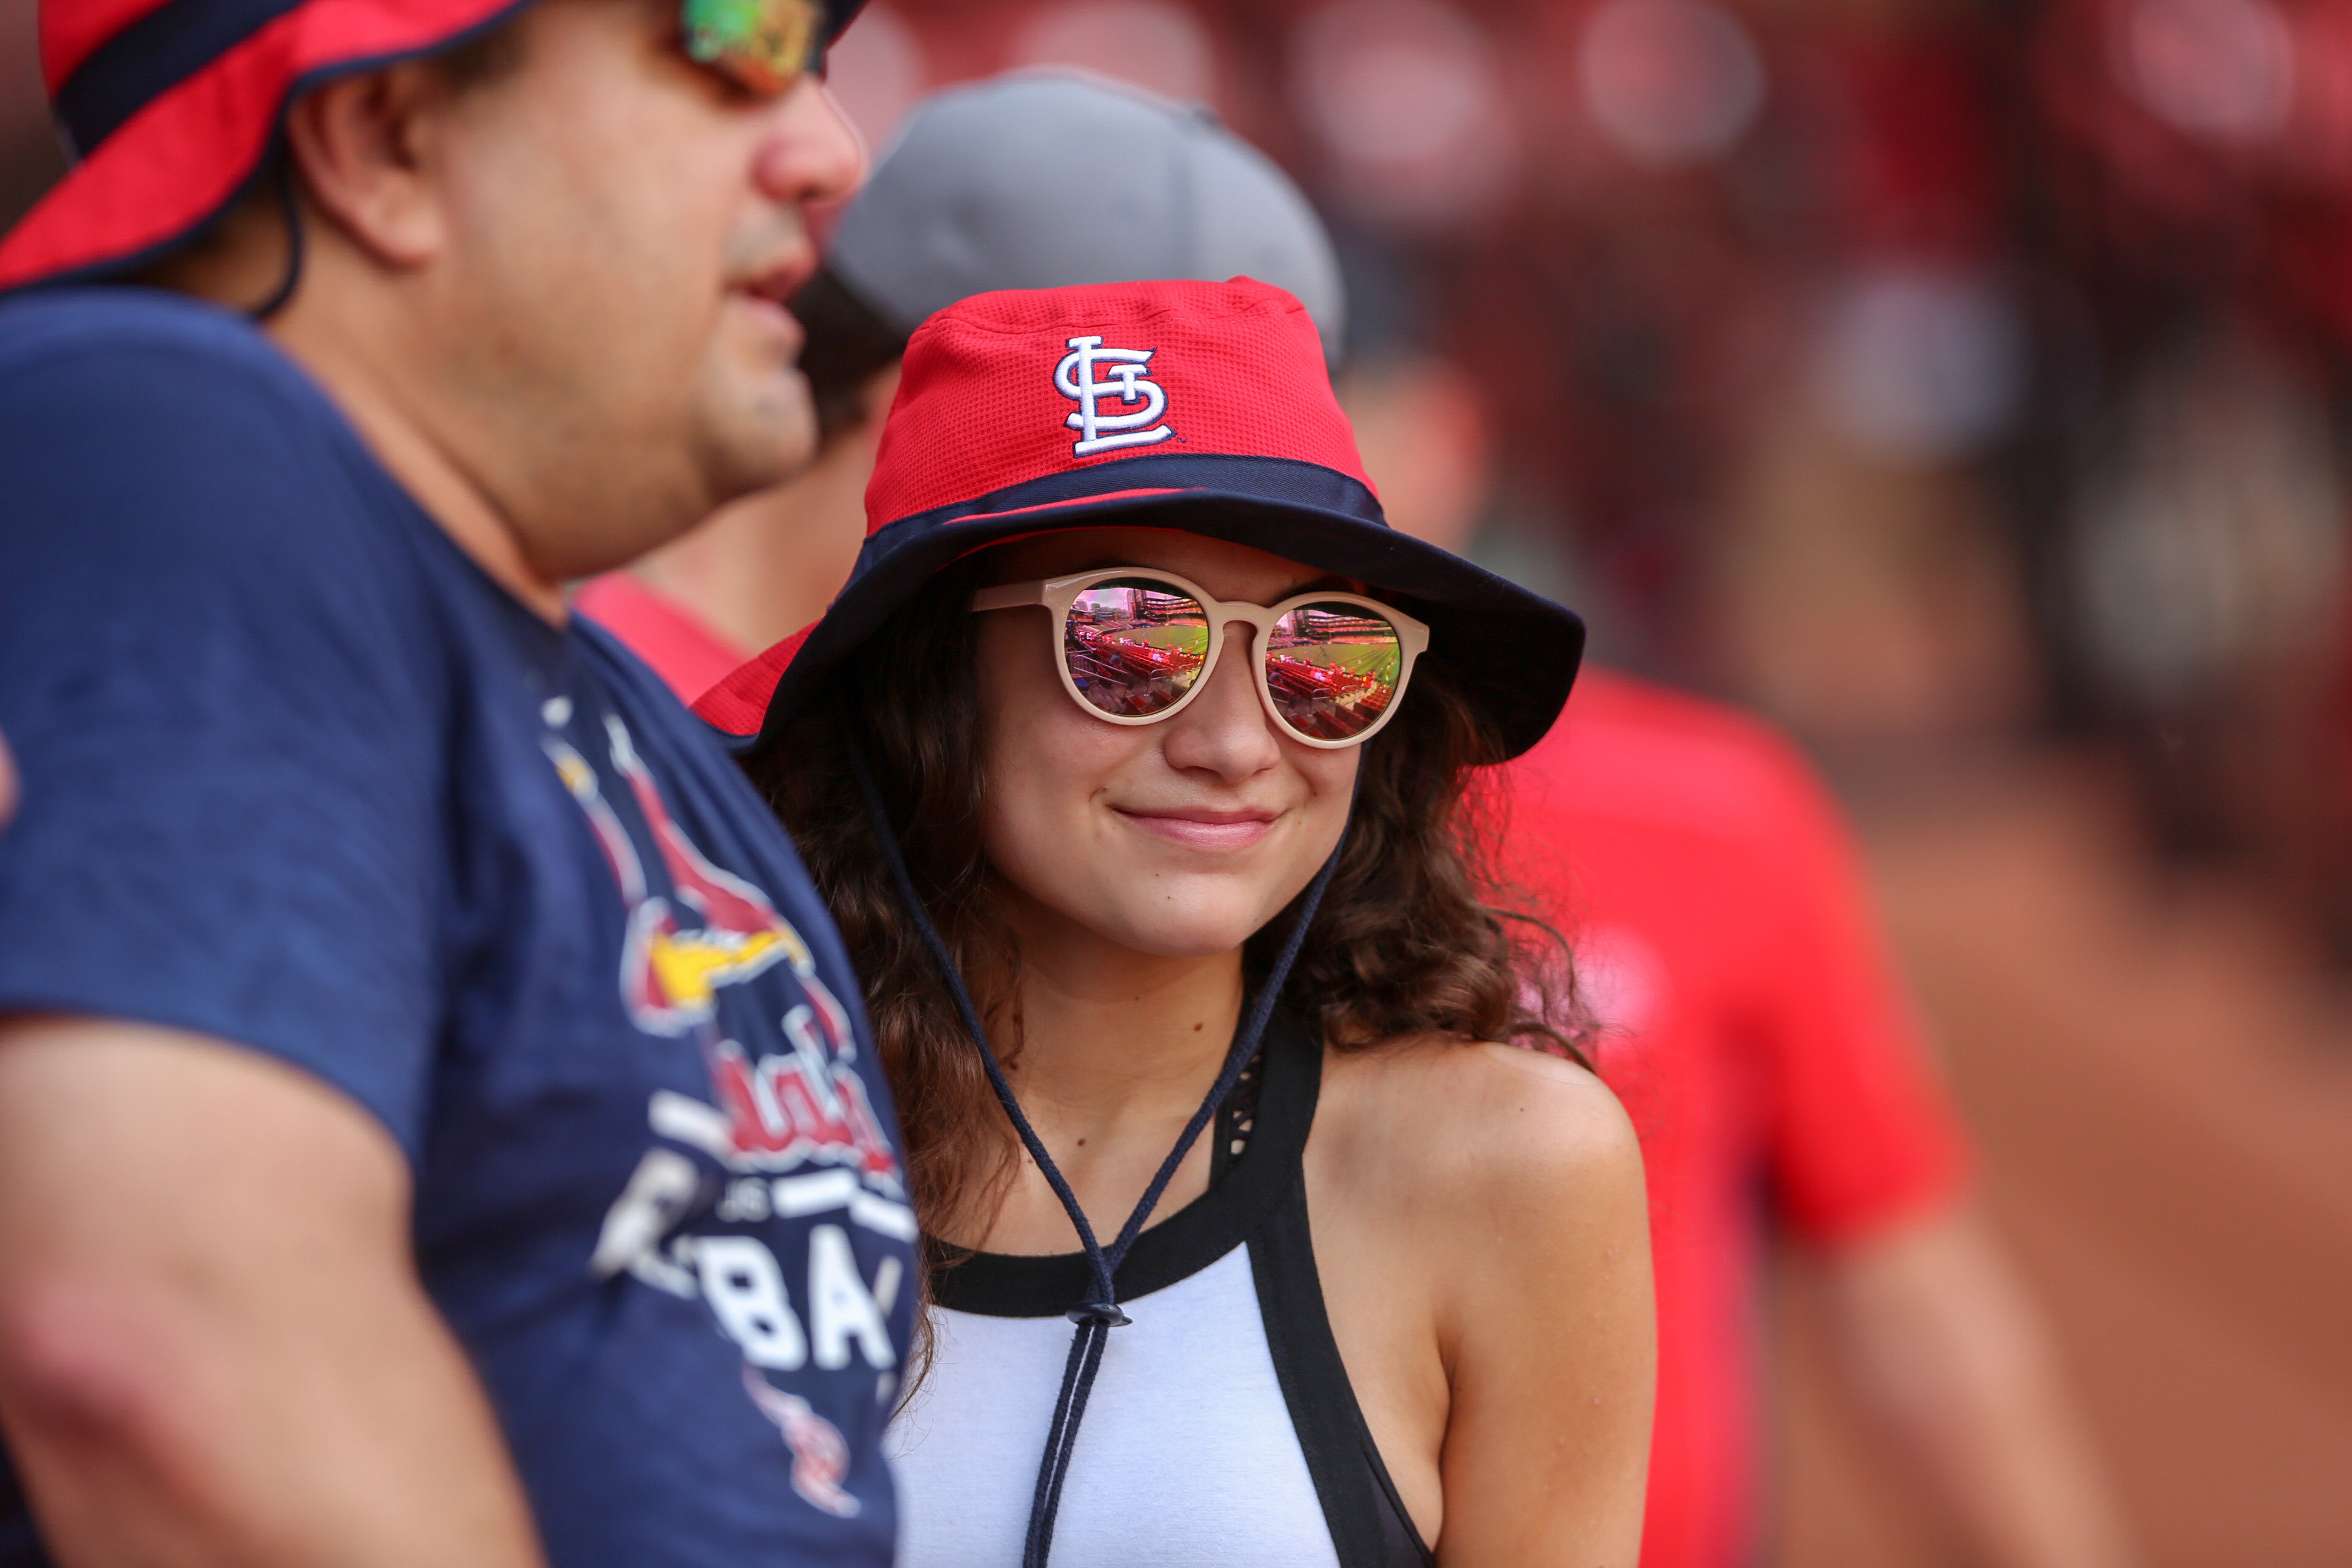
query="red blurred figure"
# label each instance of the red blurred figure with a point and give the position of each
(1747, 1017)
(1751, 1021)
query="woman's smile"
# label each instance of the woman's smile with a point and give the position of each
(1201, 826)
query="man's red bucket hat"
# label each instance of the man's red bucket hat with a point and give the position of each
(1199, 406)
(167, 106)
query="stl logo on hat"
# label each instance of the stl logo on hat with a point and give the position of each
(1075, 379)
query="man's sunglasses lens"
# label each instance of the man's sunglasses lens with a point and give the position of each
(764, 45)
(1333, 669)
(1135, 647)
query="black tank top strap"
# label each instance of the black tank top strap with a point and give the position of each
(1239, 1200)
(1369, 1527)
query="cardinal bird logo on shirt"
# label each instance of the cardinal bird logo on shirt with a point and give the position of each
(671, 972)
(791, 1298)
(774, 1112)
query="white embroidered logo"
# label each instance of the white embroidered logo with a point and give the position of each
(1075, 378)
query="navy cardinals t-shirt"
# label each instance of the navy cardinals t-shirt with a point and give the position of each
(298, 776)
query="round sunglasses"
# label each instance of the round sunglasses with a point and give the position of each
(1134, 645)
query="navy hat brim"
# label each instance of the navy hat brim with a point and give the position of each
(1512, 652)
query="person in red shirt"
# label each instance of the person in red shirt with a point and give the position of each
(1746, 1010)
(1769, 1064)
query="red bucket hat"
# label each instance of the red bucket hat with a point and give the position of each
(1201, 406)
(167, 106)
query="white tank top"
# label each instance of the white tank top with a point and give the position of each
(1221, 1431)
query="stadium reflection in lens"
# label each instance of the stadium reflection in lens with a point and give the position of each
(1134, 646)
(1333, 669)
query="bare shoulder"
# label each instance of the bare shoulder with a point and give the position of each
(1493, 1127)
(1468, 1202)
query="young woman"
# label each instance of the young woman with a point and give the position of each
(1136, 764)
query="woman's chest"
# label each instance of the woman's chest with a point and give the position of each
(1188, 1455)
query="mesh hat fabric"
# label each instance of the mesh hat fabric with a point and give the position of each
(978, 448)
(978, 409)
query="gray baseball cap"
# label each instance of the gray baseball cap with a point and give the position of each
(1047, 179)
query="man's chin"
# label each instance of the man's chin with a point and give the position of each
(770, 438)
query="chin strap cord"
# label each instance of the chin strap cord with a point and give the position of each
(289, 210)
(1098, 1315)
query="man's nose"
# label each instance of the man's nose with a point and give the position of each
(1224, 730)
(810, 154)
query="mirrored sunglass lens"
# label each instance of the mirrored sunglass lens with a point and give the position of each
(1333, 669)
(765, 45)
(1134, 645)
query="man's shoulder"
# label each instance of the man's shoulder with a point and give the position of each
(158, 427)
(118, 387)
(53, 332)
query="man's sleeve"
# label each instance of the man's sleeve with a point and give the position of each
(1863, 1134)
(217, 681)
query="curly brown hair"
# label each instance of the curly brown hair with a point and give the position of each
(1410, 938)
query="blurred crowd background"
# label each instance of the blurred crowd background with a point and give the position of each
(1968, 385)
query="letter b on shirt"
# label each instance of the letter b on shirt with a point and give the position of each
(746, 1291)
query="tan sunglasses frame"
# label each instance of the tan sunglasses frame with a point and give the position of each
(1058, 593)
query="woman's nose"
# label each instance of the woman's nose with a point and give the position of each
(1224, 730)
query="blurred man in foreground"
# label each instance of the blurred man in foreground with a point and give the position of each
(434, 1125)
(1749, 1015)
(967, 201)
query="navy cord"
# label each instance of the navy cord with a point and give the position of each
(880, 816)
(1096, 1316)
(289, 208)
